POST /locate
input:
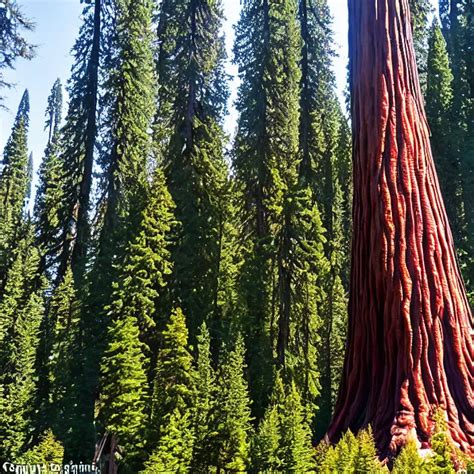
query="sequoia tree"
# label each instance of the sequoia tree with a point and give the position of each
(410, 326)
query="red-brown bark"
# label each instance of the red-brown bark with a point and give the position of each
(410, 325)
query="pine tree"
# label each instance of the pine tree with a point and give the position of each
(295, 446)
(147, 265)
(48, 451)
(266, 146)
(49, 196)
(204, 409)
(175, 447)
(367, 459)
(60, 330)
(233, 411)
(441, 446)
(341, 457)
(265, 446)
(192, 101)
(14, 184)
(22, 307)
(439, 109)
(409, 460)
(124, 390)
(303, 270)
(173, 397)
(457, 26)
(79, 141)
(420, 13)
(13, 45)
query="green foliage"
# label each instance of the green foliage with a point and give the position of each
(173, 399)
(420, 13)
(50, 193)
(233, 411)
(13, 44)
(130, 86)
(147, 264)
(283, 440)
(192, 100)
(48, 451)
(14, 184)
(124, 388)
(265, 448)
(175, 448)
(352, 454)
(295, 447)
(78, 141)
(21, 313)
(442, 448)
(204, 408)
(409, 460)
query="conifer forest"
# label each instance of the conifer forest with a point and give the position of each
(295, 296)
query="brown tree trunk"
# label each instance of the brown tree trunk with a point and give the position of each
(410, 325)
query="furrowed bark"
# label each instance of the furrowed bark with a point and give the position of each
(410, 326)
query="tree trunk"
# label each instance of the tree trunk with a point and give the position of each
(410, 325)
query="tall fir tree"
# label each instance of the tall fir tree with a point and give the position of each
(14, 185)
(266, 50)
(79, 142)
(124, 392)
(233, 412)
(171, 438)
(21, 313)
(192, 101)
(420, 13)
(50, 193)
(295, 445)
(457, 26)
(439, 109)
(130, 93)
(204, 408)
(13, 44)
(135, 315)
(325, 164)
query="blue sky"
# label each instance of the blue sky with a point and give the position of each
(57, 24)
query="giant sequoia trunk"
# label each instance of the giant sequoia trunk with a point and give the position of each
(409, 349)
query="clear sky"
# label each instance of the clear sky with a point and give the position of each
(57, 24)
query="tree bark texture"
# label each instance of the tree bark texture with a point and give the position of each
(410, 348)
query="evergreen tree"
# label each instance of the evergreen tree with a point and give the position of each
(420, 12)
(48, 451)
(22, 309)
(13, 44)
(295, 446)
(303, 270)
(173, 398)
(60, 330)
(439, 103)
(204, 454)
(233, 411)
(14, 185)
(367, 459)
(192, 101)
(49, 196)
(442, 448)
(145, 270)
(456, 20)
(175, 447)
(265, 447)
(79, 141)
(266, 147)
(124, 390)
(409, 460)
(341, 457)
(325, 163)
